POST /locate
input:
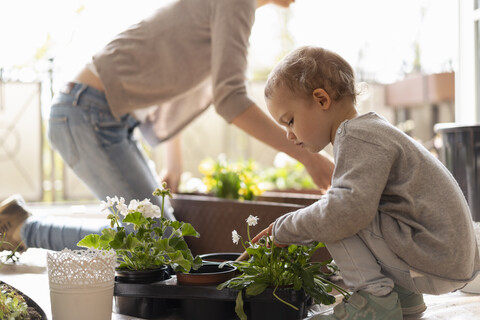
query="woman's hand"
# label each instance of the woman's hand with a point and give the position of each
(172, 172)
(171, 178)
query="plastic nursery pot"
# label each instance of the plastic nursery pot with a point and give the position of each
(266, 307)
(207, 309)
(142, 307)
(220, 256)
(142, 276)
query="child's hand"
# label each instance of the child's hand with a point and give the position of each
(267, 232)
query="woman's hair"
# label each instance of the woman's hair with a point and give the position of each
(308, 68)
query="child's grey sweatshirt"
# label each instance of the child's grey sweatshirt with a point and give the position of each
(423, 213)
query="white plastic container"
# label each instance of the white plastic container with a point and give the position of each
(81, 284)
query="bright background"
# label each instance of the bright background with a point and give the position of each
(378, 37)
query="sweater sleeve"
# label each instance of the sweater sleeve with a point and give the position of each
(231, 25)
(361, 172)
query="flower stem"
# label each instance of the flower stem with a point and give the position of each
(281, 300)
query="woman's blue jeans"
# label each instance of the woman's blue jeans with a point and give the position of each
(103, 153)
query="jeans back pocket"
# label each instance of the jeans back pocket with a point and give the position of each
(61, 139)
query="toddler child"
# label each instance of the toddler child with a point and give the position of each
(394, 220)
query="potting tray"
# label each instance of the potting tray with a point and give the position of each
(169, 289)
(201, 302)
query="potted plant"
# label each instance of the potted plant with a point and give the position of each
(231, 180)
(155, 245)
(286, 274)
(13, 303)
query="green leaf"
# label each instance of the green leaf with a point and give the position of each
(132, 242)
(178, 259)
(239, 307)
(188, 230)
(136, 218)
(255, 289)
(107, 236)
(118, 241)
(163, 245)
(175, 224)
(90, 241)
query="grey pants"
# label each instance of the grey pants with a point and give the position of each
(367, 263)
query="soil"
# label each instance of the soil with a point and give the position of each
(33, 309)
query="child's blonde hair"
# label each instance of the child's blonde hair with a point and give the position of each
(308, 68)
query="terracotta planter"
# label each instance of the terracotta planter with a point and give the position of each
(304, 198)
(142, 307)
(206, 275)
(216, 218)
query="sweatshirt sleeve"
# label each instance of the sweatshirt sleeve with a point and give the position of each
(360, 175)
(231, 25)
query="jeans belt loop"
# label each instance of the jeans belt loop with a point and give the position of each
(78, 93)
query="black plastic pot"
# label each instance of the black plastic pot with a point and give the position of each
(266, 307)
(220, 256)
(142, 276)
(142, 307)
(460, 153)
(199, 308)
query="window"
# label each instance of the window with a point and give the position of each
(467, 80)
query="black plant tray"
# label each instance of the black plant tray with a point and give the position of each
(205, 302)
(169, 289)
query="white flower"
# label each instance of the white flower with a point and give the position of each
(151, 211)
(235, 236)
(107, 204)
(145, 202)
(133, 205)
(121, 206)
(252, 220)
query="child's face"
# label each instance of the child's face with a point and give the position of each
(308, 122)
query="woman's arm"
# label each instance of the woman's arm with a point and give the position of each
(258, 124)
(172, 163)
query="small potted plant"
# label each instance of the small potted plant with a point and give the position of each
(278, 281)
(145, 254)
(13, 303)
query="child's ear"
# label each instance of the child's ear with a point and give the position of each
(322, 98)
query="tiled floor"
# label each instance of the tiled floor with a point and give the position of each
(30, 276)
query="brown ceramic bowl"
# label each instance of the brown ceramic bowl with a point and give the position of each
(207, 275)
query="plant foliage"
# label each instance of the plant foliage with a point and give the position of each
(155, 240)
(272, 266)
